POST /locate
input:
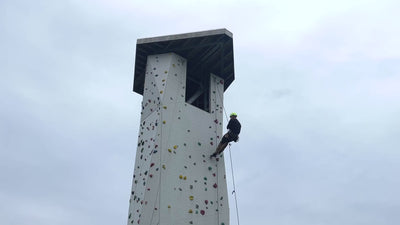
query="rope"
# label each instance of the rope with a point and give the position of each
(234, 187)
(230, 157)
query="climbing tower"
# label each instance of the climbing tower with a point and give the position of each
(182, 79)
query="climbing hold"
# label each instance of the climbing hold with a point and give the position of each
(169, 206)
(152, 164)
(216, 121)
(202, 212)
(169, 150)
(205, 178)
(163, 166)
(190, 211)
(167, 72)
(175, 146)
(180, 177)
(184, 177)
(206, 201)
(161, 92)
(215, 185)
(209, 168)
(199, 143)
(165, 107)
(163, 122)
(191, 198)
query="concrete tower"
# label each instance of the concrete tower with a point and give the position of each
(182, 79)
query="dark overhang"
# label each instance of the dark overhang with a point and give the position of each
(206, 52)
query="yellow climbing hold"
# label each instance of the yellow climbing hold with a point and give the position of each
(191, 198)
(163, 166)
(184, 177)
(169, 150)
(190, 211)
(161, 92)
(169, 206)
(175, 146)
(180, 176)
(165, 107)
(163, 122)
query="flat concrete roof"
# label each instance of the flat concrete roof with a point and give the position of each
(206, 52)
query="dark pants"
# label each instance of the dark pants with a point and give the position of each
(228, 137)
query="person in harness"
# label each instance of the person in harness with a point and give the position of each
(232, 134)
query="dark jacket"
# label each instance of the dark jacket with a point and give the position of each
(234, 126)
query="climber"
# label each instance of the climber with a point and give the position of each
(232, 134)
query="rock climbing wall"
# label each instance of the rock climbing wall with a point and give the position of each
(174, 181)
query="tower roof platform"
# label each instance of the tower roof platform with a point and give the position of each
(206, 52)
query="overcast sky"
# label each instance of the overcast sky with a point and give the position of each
(317, 91)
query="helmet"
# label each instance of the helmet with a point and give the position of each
(233, 114)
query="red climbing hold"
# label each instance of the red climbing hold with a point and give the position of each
(152, 164)
(206, 201)
(202, 212)
(215, 185)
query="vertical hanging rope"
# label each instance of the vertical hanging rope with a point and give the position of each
(234, 187)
